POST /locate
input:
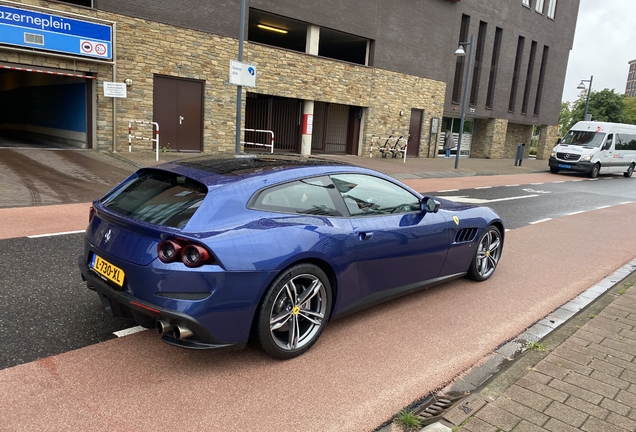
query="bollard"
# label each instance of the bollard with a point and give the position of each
(519, 157)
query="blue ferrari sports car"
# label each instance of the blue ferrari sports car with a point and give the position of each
(215, 251)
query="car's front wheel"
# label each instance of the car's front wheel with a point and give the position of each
(629, 171)
(294, 311)
(487, 254)
(596, 169)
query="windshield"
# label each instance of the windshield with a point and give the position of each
(158, 197)
(583, 138)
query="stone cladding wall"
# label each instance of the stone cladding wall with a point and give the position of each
(547, 141)
(146, 48)
(489, 138)
(515, 134)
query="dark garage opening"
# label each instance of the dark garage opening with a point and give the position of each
(44, 110)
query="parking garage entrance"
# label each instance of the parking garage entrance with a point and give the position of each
(336, 127)
(45, 108)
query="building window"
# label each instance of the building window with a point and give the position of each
(540, 5)
(515, 76)
(494, 65)
(479, 57)
(544, 65)
(530, 72)
(552, 8)
(283, 32)
(459, 63)
(87, 3)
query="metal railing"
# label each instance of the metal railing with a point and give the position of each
(270, 145)
(155, 139)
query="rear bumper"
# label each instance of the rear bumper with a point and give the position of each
(581, 167)
(122, 304)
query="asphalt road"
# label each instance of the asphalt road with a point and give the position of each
(524, 204)
(46, 308)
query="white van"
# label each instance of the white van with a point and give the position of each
(596, 148)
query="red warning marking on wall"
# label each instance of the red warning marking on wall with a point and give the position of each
(47, 72)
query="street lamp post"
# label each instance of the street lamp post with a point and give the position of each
(460, 53)
(589, 90)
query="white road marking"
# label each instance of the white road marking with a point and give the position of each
(484, 187)
(560, 181)
(540, 220)
(607, 206)
(626, 202)
(537, 183)
(535, 191)
(592, 179)
(129, 331)
(467, 200)
(576, 212)
(511, 185)
(56, 234)
(447, 190)
(578, 180)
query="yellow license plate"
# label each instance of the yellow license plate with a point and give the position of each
(109, 271)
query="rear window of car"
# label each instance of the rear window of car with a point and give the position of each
(157, 197)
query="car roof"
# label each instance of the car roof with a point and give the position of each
(250, 164)
(216, 169)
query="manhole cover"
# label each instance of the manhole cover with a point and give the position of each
(450, 409)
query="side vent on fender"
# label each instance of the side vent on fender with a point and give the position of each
(465, 235)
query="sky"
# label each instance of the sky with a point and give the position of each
(604, 43)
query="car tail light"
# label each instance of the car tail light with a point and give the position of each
(169, 251)
(190, 253)
(194, 255)
(91, 213)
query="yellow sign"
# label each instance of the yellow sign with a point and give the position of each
(456, 219)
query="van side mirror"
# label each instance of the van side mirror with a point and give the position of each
(429, 205)
(559, 140)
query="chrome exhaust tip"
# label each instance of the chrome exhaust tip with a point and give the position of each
(163, 327)
(180, 332)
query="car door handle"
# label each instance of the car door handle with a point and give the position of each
(365, 235)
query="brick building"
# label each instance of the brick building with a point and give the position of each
(630, 88)
(358, 69)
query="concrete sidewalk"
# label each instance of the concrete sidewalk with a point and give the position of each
(413, 168)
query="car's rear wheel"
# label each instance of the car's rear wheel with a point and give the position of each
(294, 311)
(487, 254)
(629, 171)
(595, 170)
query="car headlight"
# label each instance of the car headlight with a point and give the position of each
(552, 153)
(586, 158)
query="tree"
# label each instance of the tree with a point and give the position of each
(605, 106)
(630, 110)
(565, 118)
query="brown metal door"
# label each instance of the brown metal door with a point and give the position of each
(415, 130)
(178, 109)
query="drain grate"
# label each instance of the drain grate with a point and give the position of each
(453, 409)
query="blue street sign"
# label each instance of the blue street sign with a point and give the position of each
(26, 28)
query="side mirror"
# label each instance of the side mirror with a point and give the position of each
(429, 205)
(558, 140)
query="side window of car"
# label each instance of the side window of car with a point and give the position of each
(368, 195)
(307, 196)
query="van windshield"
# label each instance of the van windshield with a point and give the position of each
(583, 138)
